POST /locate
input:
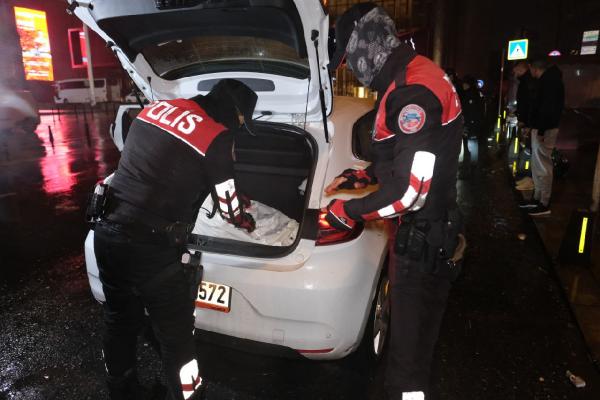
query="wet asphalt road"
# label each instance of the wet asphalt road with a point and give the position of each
(507, 333)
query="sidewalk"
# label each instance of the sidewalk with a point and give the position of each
(569, 193)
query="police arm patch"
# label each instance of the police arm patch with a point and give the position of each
(411, 119)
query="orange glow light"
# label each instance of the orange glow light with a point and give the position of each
(35, 43)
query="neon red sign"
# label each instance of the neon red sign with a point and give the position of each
(77, 48)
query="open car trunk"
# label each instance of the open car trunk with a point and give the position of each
(274, 168)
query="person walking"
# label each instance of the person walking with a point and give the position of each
(546, 112)
(177, 152)
(416, 145)
(472, 105)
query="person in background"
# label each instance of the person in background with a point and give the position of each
(473, 109)
(546, 112)
(524, 98)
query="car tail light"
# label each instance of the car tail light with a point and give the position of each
(329, 235)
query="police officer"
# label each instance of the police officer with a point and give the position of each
(416, 143)
(176, 153)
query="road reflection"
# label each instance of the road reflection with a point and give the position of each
(45, 174)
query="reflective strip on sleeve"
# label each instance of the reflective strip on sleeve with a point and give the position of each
(222, 189)
(105, 364)
(414, 198)
(190, 379)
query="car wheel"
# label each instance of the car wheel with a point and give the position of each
(375, 337)
(381, 317)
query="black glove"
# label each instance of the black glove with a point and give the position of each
(353, 176)
(245, 221)
(337, 217)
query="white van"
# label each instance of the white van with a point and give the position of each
(78, 91)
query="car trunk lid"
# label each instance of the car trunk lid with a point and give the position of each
(181, 51)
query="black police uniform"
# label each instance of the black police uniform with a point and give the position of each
(177, 152)
(416, 144)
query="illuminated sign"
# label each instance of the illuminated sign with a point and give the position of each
(590, 36)
(33, 35)
(589, 43)
(588, 50)
(77, 48)
(517, 49)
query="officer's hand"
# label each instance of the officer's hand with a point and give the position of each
(334, 186)
(246, 222)
(337, 217)
(349, 179)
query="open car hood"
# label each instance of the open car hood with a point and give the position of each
(184, 51)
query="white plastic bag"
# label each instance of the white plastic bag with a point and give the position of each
(273, 228)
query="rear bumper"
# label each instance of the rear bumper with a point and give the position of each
(317, 309)
(248, 346)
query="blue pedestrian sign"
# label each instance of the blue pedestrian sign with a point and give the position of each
(517, 49)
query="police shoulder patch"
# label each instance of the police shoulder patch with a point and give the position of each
(411, 118)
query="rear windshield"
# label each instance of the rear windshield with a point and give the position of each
(192, 56)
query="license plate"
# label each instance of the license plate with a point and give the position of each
(214, 296)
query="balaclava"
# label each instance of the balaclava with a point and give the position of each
(370, 45)
(226, 99)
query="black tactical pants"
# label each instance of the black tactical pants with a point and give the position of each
(126, 265)
(418, 302)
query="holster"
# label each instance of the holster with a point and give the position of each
(97, 203)
(411, 238)
(436, 246)
(178, 233)
(451, 251)
(193, 271)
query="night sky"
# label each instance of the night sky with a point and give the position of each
(477, 29)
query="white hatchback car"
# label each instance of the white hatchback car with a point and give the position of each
(326, 292)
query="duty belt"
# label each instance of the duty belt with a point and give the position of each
(175, 233)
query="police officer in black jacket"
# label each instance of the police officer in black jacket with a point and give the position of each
(176, 153)
(416, 143)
